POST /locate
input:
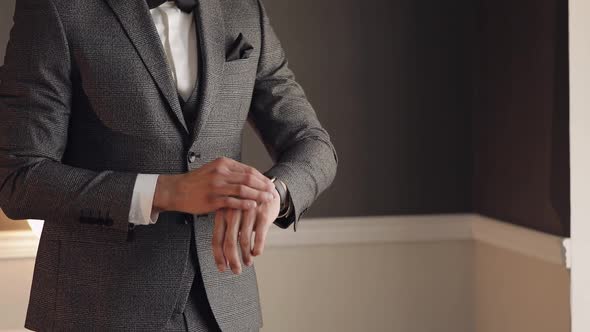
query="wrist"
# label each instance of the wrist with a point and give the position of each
(280, 191)
(285, 207)
(163, 196)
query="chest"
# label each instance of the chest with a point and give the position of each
(104, 56)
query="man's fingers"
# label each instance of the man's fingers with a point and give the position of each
(236, 166)
(244, 192)
(218, 237)
(260, 237)
(246, 227)
(230, 243)
(241, 167)
(252, 181)
(228, 202)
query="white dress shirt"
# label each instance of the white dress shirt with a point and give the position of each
(179, 39)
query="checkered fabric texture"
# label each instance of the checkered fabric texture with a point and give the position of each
(87, 101)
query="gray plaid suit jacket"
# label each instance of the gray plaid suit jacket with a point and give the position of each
(87, 101)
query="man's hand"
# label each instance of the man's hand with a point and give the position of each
(234, 228)
(222, 183)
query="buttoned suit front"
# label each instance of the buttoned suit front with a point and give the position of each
(87, 102)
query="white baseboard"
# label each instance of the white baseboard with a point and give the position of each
(375, 229)
(421, 228)
(18, 244)
(519, 239)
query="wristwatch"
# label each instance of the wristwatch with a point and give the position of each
(282, 190)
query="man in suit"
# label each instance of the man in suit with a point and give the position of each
(120, 126)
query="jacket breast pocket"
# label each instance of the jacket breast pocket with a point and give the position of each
(235, 92)
(241, 65)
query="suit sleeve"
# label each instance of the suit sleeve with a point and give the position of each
(35, 106)
(305, 158)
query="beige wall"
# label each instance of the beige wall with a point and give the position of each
(440, 286)
(340, 288)
(9, 225)
(375, 287)
(517, 293)
(16, 277)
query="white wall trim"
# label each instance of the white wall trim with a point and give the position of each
(18, 244)
(375, 229)
(422, 228)
(519, 239)
(372, 229)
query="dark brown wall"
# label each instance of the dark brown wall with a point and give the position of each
(6, 11)
(521, 164)
(433, 106)
(389, 80)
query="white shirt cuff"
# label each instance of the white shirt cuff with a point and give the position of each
(141, 212)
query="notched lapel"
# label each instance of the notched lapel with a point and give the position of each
(212, 41)
(136, 20)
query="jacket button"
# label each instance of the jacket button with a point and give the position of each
(192, 157)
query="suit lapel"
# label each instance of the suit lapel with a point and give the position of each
(211, 30)
(136, 20)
